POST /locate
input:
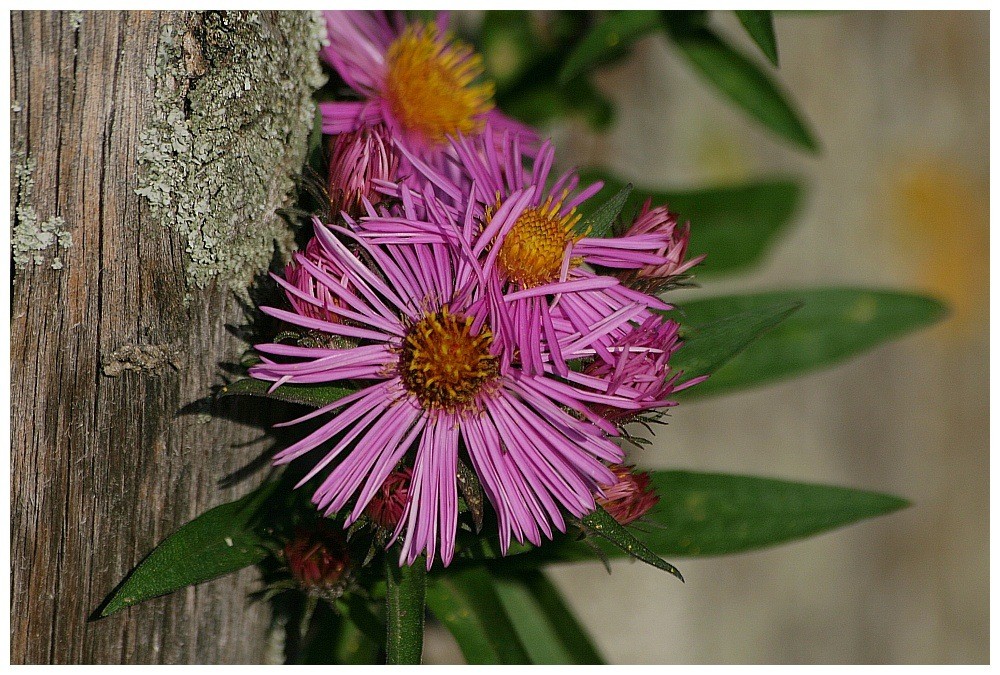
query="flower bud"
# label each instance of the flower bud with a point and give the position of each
(357, 160)
(386, 506)
(661, 222)
(303, 279)
(631, 497)
(642, 364)
(318, 560)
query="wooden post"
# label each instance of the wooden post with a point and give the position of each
(113, 330)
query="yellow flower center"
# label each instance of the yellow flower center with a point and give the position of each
(532, 252)
(444, 364)
(430, 87)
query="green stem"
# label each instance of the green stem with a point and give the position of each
(404, 598)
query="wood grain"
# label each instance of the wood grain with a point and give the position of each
(102, 467)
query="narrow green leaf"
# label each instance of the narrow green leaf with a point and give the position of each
(833, 324)
(703, 514)
(608, 40)
(363, 615)
(572, 634)
(404, 598)
(465, 602)
(715, 514)
(220, 541)
(601, 221)
(603, 524)
(351, 646)
(315, 396)
(734, 226)
(743, 82)
(759, 25)
(708, 346)
(547, 628)
(334, 638)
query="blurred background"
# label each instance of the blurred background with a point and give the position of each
(898, 197)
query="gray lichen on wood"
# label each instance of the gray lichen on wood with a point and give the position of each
(233, 113)
(32, 237)
(150, 358)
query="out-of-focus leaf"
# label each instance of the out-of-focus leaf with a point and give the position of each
(832, 324)
(542, 100)
(545, 624)
(601, 523)
(315, 396)
(608, 40)
(708, 346)
(734, 225)
(743, 82)
(508, 45)
(220, 541)
(704, 514)
(335, 638)
(466, 603)
(600, 222)
(759, 25)
(404, 611)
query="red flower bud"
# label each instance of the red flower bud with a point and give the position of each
(318, 560)
(386, 507)
(631, 497)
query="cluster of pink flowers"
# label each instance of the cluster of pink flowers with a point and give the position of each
(475, 317)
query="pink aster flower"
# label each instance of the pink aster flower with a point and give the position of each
(358, 160)
(631, 497)
(535, 258)
(436, 383)
(660, 222)
(413, 77)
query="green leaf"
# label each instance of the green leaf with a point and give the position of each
(351, 646)
(743, 82)
(334, 637)
(715, 514)
(315, 396)
(220, 541)
(466, 603)
(508, 45)
(833, 324)
(708, 346)
(704, 514)
(404, 611)
(601, 523)
(540, 100)
(734, 225)
(600, 222)
(759, 24)
(608, 40)
(547, 627)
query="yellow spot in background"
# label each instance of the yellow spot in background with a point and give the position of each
(940, 212)
(863, 310)
(721, 156)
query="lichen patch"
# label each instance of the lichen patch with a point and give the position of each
(35, 240)
(233, 112)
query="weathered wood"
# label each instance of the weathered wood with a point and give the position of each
(109, 345)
